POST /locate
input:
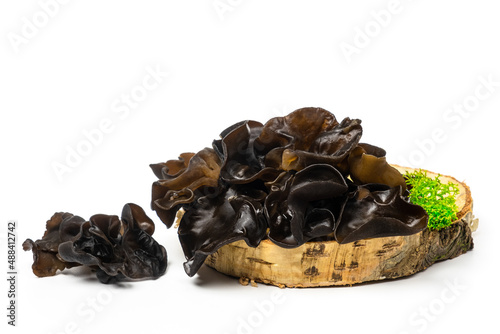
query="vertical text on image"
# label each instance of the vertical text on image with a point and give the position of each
(12, 292)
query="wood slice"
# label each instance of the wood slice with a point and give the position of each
(328, 263)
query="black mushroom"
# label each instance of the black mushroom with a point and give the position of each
(212, 221)
(369, 168)
(181, 179)
(377, 210)
(292, 209)
(115, 249)
(61, 227)
(240, 161)
(298, 178)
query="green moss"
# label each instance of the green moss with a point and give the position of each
(437, 198)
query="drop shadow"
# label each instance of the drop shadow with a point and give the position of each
(82, 272)
(86, 274)
(208, 277)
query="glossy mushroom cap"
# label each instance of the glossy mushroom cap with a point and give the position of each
(297, 178)
(115, 249)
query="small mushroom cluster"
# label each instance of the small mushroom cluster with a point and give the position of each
(116, 249)
(298, 178)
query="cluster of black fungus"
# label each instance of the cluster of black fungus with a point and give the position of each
(115, 249)
(302, 177)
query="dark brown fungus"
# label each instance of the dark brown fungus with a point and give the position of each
(373, 150)
(331, 147)
(240, 161)
(116, 249)
(169, 194)
(292, 220)
(377, 210)
(296, 131)
(134, 212)
(60, 227)
(340, 140)
(166, 202)
(171, 168)
(115, 255)
(213, 221)
(202, 170)
(300, 177)
(367, 168)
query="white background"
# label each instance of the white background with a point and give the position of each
(248, 60)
